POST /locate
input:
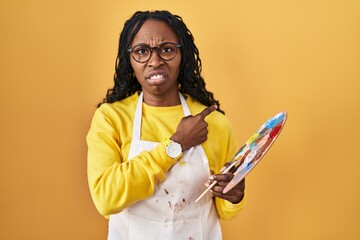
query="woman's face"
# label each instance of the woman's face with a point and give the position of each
(158, 78)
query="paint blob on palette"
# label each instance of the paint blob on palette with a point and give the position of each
(255, 148)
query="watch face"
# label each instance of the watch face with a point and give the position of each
(173, 150)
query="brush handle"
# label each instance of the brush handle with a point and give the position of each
(213, 184)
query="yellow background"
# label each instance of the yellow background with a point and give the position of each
(259, 57)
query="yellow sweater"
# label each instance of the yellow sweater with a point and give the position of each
(116, 183)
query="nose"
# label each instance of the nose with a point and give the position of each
(155, 60)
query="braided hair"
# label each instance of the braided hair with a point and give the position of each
(190, 80)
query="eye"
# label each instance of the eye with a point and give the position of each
(141, 50)
(167, 49)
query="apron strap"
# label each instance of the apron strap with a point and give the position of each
(184, 105)
(137, 119)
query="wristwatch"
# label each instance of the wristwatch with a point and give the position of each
(173, 149)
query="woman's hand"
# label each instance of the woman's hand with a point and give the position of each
(235, 195)
(192, 130)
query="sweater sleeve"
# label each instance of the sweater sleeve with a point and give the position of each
(116, 183)
(226, 210)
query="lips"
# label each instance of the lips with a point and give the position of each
(156, 75)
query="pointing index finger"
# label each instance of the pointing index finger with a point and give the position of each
(208, 110)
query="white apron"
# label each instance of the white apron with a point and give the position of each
(170, 213)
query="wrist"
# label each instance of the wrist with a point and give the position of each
(179, 140)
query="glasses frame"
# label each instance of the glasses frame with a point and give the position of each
(152, 49)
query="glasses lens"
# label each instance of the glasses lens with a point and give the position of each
(167, 51)
(141, 53)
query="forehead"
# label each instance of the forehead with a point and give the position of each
(154, 32)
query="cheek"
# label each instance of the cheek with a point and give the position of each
(136, 68)
(177, 66)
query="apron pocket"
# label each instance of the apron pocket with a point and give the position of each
(144, 229)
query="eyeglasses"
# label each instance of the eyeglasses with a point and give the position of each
(142, 52)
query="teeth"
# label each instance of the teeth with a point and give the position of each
(157, 76)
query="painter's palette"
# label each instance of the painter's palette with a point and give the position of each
(255, 148)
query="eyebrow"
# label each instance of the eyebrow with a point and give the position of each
(147, 45)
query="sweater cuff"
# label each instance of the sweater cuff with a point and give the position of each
(236, 206)
(161, 158)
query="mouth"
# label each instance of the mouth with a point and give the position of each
(156, 77)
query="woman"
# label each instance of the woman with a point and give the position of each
(156, 137)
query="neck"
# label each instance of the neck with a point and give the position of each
(162, 101)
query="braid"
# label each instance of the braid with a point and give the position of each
(125, 82)
(190, 80)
